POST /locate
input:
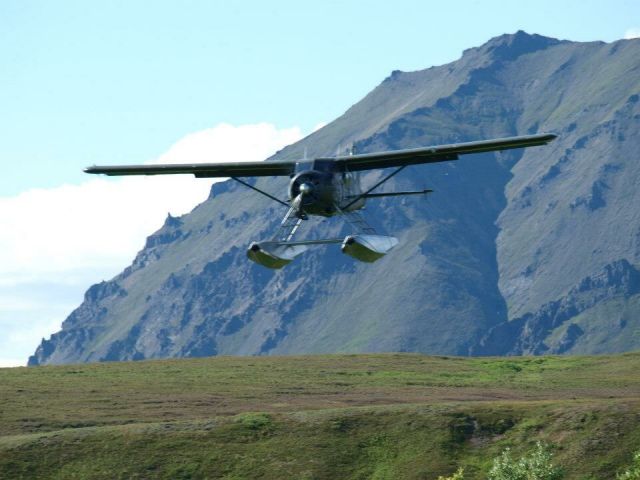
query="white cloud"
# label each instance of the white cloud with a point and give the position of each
(74, 235)
(104, 221)
(228, 143)
(632, 33)
(12, 362)
(318, 126)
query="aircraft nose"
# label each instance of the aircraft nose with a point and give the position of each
(306, 188)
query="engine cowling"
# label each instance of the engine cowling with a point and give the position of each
(314, 191)
(305, 183)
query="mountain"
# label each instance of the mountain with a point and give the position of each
(523, 252)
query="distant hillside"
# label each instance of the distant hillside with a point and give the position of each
(384, 417)
(532, 251)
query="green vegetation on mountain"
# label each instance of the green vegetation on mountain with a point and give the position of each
(385, 416)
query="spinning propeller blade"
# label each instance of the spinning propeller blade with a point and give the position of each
(305, 189)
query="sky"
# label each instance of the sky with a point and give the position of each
(120, 82)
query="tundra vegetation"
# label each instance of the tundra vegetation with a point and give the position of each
(633, 472)
(536, 466)
(379, 416)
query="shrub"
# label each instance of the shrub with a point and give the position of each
(535, 466)
(254, 420)
(632, 473)
(459, 475)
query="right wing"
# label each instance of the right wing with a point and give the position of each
(202, 170)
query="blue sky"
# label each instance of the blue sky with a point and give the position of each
(134, 81)
(120, 81)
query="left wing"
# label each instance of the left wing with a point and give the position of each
(202, 170)
(437, 153)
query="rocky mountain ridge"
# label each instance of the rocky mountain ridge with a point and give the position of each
(524, 252)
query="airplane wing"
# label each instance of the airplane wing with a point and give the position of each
(352, 163)
(438, 153)
(201, 170)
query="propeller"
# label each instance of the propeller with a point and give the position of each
(304, 189)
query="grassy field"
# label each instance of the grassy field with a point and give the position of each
(388, 416)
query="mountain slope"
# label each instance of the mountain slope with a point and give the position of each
(502, 240)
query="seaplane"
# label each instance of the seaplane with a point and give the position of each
(327, 187)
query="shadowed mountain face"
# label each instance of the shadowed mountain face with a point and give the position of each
(532, 251)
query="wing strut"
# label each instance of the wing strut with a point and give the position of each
(260, 191)
(288, 227)
(398, 194)
(363, 195)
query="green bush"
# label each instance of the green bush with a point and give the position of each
(254, 420)
(535, 466)
(459, 475)
(632, 473)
